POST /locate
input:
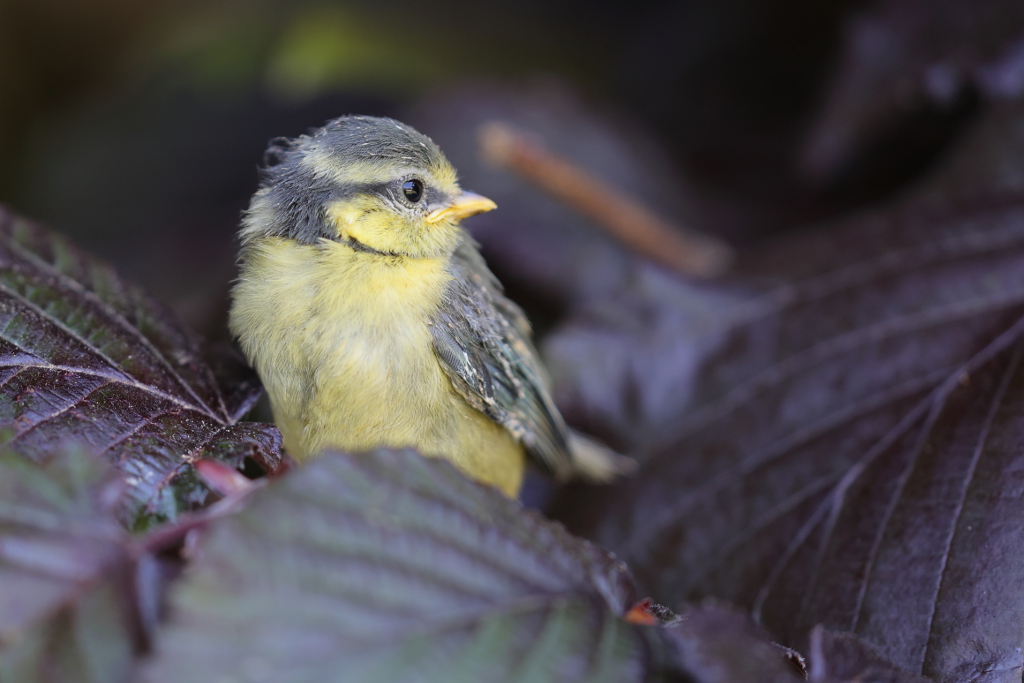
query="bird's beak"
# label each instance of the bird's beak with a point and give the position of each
(465, 205)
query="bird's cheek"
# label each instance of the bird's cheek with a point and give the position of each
(385, 235)
(342, 218)
(354, 222)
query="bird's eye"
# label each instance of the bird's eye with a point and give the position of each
(413, 189)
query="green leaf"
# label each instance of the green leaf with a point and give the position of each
(65, 573)
(90, 358)
(389, 566)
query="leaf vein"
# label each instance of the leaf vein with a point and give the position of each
(59, 324)
(938, 402)
(962, 500)
(118, 378)
(78, 401)
(778, 373)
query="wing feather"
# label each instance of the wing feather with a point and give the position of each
(482, 340)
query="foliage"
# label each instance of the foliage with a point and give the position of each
(829, 439)
(848, 454)
(372, 565)
(66, 606)
(86, 356)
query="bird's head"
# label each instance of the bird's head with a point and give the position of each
(373, 183)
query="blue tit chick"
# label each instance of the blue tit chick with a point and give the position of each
(373, 320)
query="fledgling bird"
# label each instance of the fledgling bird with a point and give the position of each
(373, 320)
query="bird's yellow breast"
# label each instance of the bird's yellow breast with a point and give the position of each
(342, 341)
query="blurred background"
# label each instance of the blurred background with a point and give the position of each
(137, 127)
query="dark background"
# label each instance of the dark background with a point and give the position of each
(137, 127)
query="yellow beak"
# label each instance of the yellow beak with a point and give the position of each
(465, 205)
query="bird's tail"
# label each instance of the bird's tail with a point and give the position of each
(595, 462)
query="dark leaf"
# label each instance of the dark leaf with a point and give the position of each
(716, 645)
(987, 160)
(827, 302)
(844, 658)
(902, 56)
(848, 452)
(88, 357)
(66, 609)
(389, 566)
(921, 550)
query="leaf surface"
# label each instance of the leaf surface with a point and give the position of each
(713, 644)
(65, 573)
(900, 56)
(842, 658)
(390, 566)
(88, 357)
(849, 447)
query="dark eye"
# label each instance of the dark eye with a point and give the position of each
(413, 189)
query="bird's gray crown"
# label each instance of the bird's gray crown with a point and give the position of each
(350, 154)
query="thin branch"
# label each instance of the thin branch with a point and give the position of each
(625, 218)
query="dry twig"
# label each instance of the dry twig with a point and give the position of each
(625, 218)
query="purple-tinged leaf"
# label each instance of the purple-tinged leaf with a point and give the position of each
(844, 658)
(66, 603)
(919, 549)
(902, 55)
(89, 358)
(716, 645)
(389, 566)
(813, 323)
(988, 158)
(848, 444)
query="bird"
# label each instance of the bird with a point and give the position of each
(373, 321)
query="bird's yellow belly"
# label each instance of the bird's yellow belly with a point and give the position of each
(389, 390)
(358, 370)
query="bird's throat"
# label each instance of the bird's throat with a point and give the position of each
(356, 245)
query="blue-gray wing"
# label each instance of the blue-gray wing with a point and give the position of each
(483, 342)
